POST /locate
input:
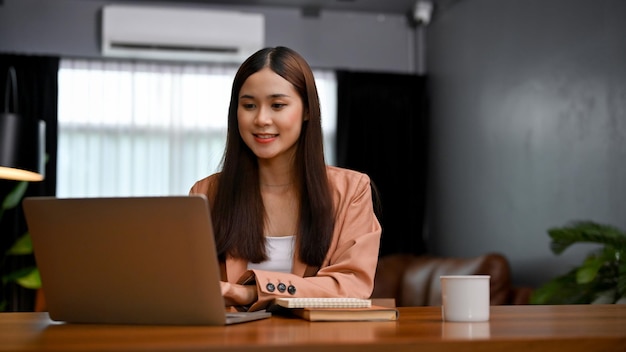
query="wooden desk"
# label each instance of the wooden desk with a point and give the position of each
(582, 328)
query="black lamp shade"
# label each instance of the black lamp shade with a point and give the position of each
(22, 148)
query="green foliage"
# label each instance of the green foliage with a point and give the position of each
(26, 277)
(22, 246)
(601, 278)
(14, 197)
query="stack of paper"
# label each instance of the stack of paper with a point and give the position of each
(335, 309)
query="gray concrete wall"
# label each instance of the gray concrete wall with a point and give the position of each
(528, 127)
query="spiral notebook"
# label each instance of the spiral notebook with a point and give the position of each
(323, 302)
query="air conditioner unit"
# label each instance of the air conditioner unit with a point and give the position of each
(162, 33)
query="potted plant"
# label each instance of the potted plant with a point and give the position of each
(601, 278)
(28, 276)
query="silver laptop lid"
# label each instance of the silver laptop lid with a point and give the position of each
(137, 260)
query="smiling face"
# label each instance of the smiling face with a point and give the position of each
(270, 114)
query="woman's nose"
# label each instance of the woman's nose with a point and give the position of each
(263, 117)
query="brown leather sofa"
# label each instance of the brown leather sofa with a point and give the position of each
(414, 280)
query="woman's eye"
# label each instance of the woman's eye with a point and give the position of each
(248, 106)
(278, 105)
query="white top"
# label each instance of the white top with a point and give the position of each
(280, 253)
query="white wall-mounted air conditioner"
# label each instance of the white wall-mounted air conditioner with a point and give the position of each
(180, 34)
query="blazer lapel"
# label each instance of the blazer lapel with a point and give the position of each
(301, 269)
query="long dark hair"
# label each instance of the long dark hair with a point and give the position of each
(237, 209)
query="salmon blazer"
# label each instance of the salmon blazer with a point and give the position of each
(350, 264)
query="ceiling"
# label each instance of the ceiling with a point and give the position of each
(377, 6)
(384, 6)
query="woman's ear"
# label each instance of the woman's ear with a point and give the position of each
(305, 116)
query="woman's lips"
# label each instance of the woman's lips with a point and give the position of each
(265, 138)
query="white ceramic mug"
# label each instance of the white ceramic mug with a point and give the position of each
(465, 298)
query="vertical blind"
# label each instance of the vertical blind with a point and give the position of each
(129, 128)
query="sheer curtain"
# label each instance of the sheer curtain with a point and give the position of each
(130, 128)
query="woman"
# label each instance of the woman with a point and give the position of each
(286, 224)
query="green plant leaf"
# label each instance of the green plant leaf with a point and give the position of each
(31, 280)
(588, 271)
(585, 231)
(26, 277)
(15, 196)
(562, 290)
(601, 278)
(22, 246)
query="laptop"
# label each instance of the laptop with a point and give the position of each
(129, 260)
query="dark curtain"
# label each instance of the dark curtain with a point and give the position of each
(37, 98)
(382, 131)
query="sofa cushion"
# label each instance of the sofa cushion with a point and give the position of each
(414, 280)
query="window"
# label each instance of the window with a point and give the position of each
(147, 129)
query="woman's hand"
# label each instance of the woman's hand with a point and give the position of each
(238, 295)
